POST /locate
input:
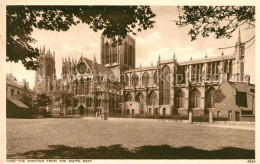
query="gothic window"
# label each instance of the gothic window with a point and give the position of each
(155, 79)
(165, 85)
(75, 87)
(90, 102)
(217, 71)
(210, 98)
(193, 72)
(82, 86)
(130, 58)
(79, 88)
(195, 99)
(126, 80)
(209, 68)
(125, 54)
(107, 53)
(180, 74)
(242, 67)
(213, 68)
(128, 97)
(49, 69)
(225, 67)
(135, 80)
(230, 66)
(114, 54)
(140, 98)
(152, 98)
(87, 87)
(145, 78)
(179, 98)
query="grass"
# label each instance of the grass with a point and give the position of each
(79, 138)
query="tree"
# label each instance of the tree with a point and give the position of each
(220, 21)
(115, 21)
(65, 97)
(43, 100)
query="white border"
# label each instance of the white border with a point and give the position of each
(121, 2)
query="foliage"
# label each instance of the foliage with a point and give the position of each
(66, 97)
(220, 21)
(219, 96)
(43, 100)
(112, 20)
(27, 100)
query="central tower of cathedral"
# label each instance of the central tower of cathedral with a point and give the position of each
(118, 58)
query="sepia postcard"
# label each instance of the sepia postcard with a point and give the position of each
(171, 82)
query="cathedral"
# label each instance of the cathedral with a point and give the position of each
(117, 86)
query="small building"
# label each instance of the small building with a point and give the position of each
(15, 92)
(17, 109)
(235, 100)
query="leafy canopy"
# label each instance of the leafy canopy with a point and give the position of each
(112, 20)
(220, 21)
(43, 100)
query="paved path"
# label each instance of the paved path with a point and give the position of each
(232, 126)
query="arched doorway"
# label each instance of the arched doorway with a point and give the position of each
(81, 109)
(164, 111)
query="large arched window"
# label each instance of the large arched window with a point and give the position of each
(135, 80)
(230, 66)
(165, 85)
(195, 98)
(90, 101)
(114, 53)
(128, 97)
(76, 87)
(125, 54)
(210, 98)
(126, 80)
(140, 99)
(145, 78)
(225, 66)
(79, 87)
(82, 86)
(130, 58)
(152, 98)
(155, 77)
(179, 98)
(107, 53)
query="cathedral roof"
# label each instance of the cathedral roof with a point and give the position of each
(99, 68)
(243, 87)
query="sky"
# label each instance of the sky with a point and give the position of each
(164, 39)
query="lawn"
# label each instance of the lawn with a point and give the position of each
(79, 138)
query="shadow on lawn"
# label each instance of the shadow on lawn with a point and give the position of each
(144, 152)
